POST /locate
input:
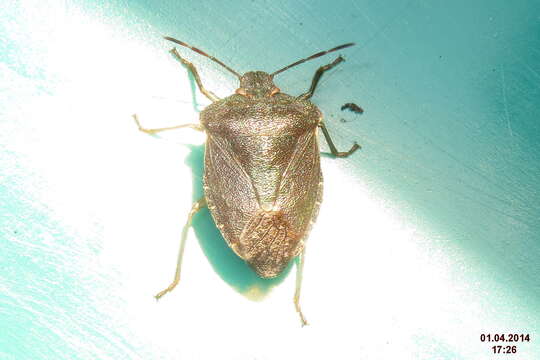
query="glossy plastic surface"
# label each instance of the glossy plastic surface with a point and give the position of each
(427, 238)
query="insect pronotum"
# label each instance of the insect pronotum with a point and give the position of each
(262, 175)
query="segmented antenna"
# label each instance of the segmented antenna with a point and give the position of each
(312, 57)
(202, 53)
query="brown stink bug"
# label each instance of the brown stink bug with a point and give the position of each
(262, 174)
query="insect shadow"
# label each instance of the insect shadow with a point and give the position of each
(232, 269)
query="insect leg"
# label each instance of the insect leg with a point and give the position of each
(198, 205)
(153, 131)
(299, 271)
(195, 73)
(317, 77)
(333, 149)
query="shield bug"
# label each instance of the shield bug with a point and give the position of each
(262, 176)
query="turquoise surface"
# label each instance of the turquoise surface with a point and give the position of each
(451, 144)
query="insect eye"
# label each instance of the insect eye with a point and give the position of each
(241, 91)
(275, 91)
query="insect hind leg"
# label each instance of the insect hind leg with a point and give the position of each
(299, 272)
(198, 205)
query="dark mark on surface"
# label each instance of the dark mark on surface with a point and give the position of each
(353, 107)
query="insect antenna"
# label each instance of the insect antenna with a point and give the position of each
(312, 57)
(202, 53)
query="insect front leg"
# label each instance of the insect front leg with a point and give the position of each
(333, 148)
(195, 73)
(153, 131)
(198, 205)
(299, 272)
(317, 77)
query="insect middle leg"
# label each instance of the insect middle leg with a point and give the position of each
(299, 272)
(153, 131)
(317, 77)
(333, 149)
(198, 205)
(195, 73)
